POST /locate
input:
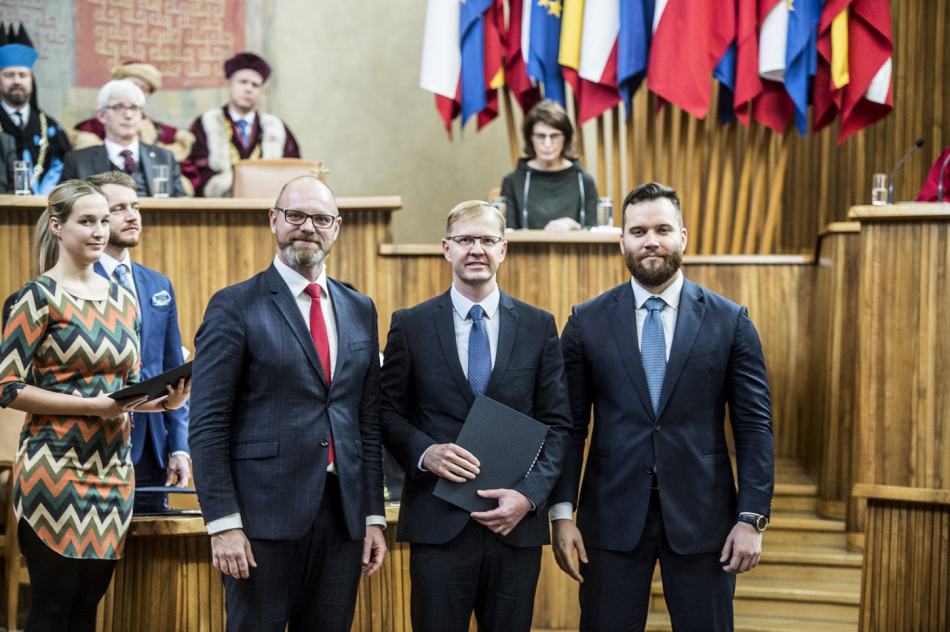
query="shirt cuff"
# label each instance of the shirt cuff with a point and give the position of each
(377, 521)
(181, 452)
(223, 524)
(561, 511)
(422, 469)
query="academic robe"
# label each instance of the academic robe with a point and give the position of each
(28, 147)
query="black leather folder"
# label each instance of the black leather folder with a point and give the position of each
(155, 387)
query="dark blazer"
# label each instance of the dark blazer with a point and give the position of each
(426, 398)
(82, 163)
(7, 158)
(161, 351)
(261, 412)
(715, 359)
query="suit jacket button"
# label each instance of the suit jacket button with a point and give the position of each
(649, 470)
(657, 427)
(324, 443)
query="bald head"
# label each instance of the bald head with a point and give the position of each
(306, 188)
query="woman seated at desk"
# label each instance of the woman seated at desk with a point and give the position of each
(549, 189)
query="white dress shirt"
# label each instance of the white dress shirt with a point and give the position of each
(670, 296)
(114, 150)
(24, 112)
(297, 285)
(249, 117)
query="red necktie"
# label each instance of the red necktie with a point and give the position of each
(318, 331)
(129, 161)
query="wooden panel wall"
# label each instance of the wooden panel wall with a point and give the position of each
(903, 387)
(906, 576)
(830, 377)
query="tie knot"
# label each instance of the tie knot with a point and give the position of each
(243, 125)
(654, 303)
(313, 291)
(476, 312)
(126, 153)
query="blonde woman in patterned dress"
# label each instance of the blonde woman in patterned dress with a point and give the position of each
(75, 334)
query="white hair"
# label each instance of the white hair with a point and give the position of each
(120, 88)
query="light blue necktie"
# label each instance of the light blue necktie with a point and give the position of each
(242, 127)
(122, 275)
(479, 353)
(653, 349)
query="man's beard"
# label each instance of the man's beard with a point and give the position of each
(17, 99)
(303, 255)
(653, 277)
(124, 242)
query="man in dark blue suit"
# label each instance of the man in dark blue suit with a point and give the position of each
(159, 440)
(474, 339)
(659, 358)
(285, 430)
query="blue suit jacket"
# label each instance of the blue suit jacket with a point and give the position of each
(261, 411)
(715, 360)
(161, 351)
(426, 399)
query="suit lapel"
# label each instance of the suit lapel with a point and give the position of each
(287, 306)
(147, 160)
(623, 319)
(692, 309)
(101, 162)
(101, 271)
(507, 328)
(341, 314)
(445, 326)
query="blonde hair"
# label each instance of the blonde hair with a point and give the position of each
(61, 201)
(471, 209)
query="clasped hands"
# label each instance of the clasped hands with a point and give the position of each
(455, 463)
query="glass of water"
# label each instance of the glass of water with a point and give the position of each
(500, 203)
(605, 211)
(21, 177)
(879, 189)
(160, 187)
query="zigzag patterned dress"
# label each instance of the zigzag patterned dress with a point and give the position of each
(73, 479)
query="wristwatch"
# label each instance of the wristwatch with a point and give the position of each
(758, 521)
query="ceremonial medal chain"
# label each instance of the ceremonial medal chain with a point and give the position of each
(38, 168)
(235, 156)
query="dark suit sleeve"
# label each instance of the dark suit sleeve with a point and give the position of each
(403, 440)
(175, 177)
(371, 433)
(512, 204)
(70, 168)
(176, 421)
(550, 407)
(579, 391)
(8, 146)
(220, 348)
(750, 412)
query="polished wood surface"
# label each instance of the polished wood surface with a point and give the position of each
(906, 574)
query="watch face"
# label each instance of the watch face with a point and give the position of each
(761, 522)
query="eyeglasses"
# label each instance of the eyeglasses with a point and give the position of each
(467, 241)
(543, 138)
(118, 108)
(298, 218)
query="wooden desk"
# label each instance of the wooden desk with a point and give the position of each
(905, 583)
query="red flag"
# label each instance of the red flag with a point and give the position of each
(595, 98)
(494, 21)
(526, 95)
(687, 45)
(748, 83)
(826, 96)
(870, 46)
(773, 107)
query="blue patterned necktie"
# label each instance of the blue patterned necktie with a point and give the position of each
(242, 127)
(653, 349)
(122, 275)
(479, 353)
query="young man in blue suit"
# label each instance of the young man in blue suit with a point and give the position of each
(159, 440)
(285, 430)
(474, 339)
(659, 358)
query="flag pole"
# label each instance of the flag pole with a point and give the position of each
(510, 124)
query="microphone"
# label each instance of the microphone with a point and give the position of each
(890, 187)
(940, 186)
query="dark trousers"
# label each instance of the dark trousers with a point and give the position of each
(64, 591)
(615, 595)
(148, 473)
(310, 583)
(473, 572)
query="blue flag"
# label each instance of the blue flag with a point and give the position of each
(801, 56)
(633, 46)
(472, 41)
(725, 74)
(544, 44)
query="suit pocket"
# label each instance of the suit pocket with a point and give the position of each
(704, 359)
(356, 345)
(255, 450)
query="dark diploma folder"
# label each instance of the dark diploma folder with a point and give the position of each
(506, 444)
(155, 387)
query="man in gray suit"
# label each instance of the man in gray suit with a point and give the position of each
(120, 109)
(285, 433)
